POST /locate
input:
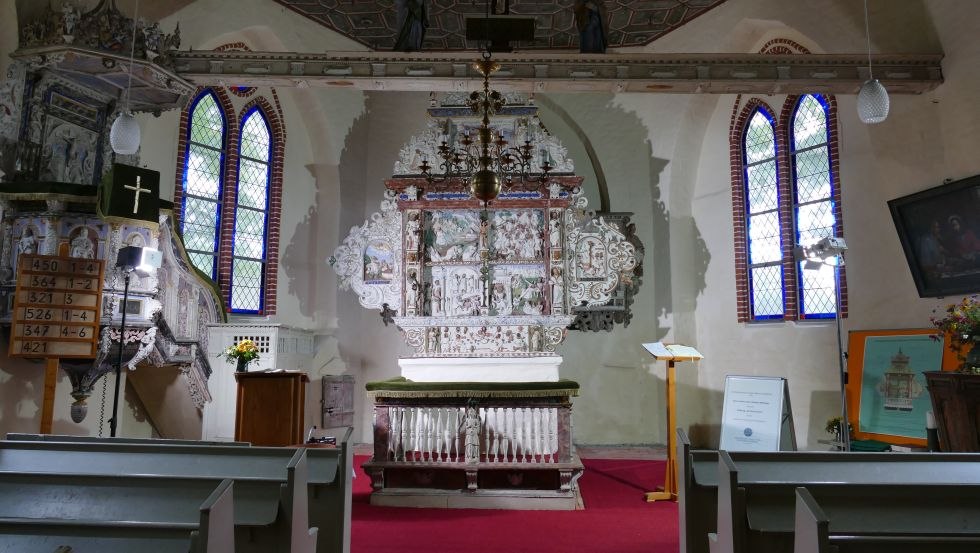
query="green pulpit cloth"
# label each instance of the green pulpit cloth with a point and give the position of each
(401, 387)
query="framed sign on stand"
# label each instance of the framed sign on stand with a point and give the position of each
(757, 415)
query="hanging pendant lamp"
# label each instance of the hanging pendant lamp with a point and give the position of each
(124, 136)
(872, 100)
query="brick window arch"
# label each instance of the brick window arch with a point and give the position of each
(246, 206)
(785, 193)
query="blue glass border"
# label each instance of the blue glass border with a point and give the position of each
(268, 209)
(791, 130)
(745, 208)
(221, 174)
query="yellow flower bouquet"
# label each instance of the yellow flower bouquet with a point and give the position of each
(242, 354)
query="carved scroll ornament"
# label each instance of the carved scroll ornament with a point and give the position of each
(369, 260)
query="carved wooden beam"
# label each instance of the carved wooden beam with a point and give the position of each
(563, 72)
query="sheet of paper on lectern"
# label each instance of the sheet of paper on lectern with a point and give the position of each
(663, 351)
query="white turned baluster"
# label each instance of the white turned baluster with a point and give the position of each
(484, 415)
(536, 430)
(518, 436)
(553, 434)
(496, 434)
(390, 446)
(430, 432)
(528, 451)
(406, 425)
(505, 440)
(440, 425)
(414, 435)
(456, 431)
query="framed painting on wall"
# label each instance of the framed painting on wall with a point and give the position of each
(940, 234)
(886, 391)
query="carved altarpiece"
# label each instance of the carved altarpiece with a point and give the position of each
(501, 282)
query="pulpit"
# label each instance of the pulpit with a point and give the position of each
(270, 407)
(956, 404)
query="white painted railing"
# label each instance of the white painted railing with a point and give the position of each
(495, 436)
(503, 434)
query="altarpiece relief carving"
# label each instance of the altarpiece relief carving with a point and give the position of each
(468, 280)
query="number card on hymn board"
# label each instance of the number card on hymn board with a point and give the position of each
(57, 305)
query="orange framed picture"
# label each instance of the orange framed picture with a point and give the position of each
(886, 391)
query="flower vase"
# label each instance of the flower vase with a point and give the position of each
(242, 366)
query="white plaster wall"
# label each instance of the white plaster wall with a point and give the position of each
(664, 157)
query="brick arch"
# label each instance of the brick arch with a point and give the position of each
(783, 46)
(740, 119)
(833, 146)
(277, 132)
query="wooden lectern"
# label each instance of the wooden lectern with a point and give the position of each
(671, 354)
(270, 407)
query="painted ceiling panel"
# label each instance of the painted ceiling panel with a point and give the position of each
(374, 22)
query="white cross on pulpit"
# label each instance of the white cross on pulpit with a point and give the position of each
(136, 194)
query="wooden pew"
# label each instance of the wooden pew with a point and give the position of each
(329, 496)
(13, 436)
(758, 515)
(698, 476)
(285, 469)
(331, 470)
(212, 532)
(697, 503)
(812, 534)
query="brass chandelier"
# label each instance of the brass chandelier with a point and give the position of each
(490, 163)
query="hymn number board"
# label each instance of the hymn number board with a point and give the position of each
(57, 307)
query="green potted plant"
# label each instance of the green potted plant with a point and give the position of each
(960, 322)
(834, 426)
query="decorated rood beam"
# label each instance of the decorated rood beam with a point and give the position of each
(565, 72)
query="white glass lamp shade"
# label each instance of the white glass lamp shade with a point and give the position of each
(872, 102)
(125, 135)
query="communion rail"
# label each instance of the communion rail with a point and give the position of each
(447, 443)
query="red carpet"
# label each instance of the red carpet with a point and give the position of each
(616, 519)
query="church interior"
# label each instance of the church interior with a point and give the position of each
(452, 234)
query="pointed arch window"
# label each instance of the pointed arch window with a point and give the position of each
(764, 244)
(785, 193)
(251, 214)
(813, 202)
(203, 174)
(229, 190)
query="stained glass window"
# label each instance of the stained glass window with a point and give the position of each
(762, 217)
(813, 202)
(202, 183)
(251, 207)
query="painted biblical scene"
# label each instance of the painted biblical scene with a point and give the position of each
(452, 236)
(517, 235)
(518, 290)
(379, 263)
(456, 292)
(590, 258)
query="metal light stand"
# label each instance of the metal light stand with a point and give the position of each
(119, 356)
(841, 355)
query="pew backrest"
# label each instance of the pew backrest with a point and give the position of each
(14, 436)
(331, 470)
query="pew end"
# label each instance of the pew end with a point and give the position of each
(811, 531)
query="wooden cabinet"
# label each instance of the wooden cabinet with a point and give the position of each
(956, 405)
(270, 408)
